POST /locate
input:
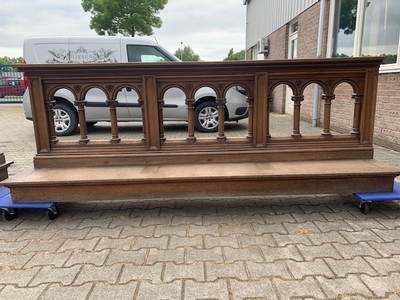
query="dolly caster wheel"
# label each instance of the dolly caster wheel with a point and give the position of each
(364, 207)
(9, 214)
(53, 212)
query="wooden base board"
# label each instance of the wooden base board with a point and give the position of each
(201, 180)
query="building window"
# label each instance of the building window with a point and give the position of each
(346, 25)
(381, 30)
(294, 27)
(368, 28)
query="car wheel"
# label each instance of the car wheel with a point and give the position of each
(206, 117)
(65, 120)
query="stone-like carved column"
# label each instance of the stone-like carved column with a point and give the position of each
(221, 118)
(296, 115)
(190, 108)
(326, 131)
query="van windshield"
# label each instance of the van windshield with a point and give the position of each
(142, 53)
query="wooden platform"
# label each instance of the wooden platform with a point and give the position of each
(201, 180)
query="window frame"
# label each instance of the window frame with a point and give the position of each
(358, 35)
(293, 36)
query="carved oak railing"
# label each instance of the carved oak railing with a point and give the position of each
(150, 81)
(154, 165)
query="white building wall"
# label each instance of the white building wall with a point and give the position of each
(265, 16)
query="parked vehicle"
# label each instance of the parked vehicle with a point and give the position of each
(10, 86)
(107, 49)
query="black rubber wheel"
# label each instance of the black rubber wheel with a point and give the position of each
(65, 119)
(9, 215)
(364, 207)
(206, 117)
(53, 213)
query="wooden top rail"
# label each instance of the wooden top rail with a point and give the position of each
(152, 80)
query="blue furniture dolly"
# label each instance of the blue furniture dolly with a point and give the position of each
(10, 209)
(366, 199)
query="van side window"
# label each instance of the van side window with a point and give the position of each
(141, 53)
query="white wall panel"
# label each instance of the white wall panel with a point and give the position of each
(266, 16)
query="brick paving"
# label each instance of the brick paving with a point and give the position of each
(281, 247)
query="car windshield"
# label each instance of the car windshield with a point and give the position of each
(142, 53)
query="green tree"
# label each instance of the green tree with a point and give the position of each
(348, 15)
(187, 54)
(235, 56)
(10, 60)
(126, 17)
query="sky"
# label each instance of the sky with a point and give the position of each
(210, 27)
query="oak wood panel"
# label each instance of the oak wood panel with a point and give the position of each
(201, 180)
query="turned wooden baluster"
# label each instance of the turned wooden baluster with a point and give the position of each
(250, 130)
(221, 118)
(161, 120)
(141, 103)
(269, 102)
(190, 107)
(50, 117)
(80, 103)
(357, 112)
(296, 115)
(326, 131)
(112, 104)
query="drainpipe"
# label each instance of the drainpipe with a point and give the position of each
(358, 33)
(319, 52)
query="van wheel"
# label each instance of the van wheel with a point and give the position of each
(206, 117)
(65, 120)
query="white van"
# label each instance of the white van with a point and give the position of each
(112, 49)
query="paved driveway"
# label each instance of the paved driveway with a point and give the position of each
(288, 247)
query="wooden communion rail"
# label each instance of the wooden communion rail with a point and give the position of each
(158, 167)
